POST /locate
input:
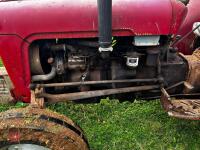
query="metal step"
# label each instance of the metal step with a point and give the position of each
(185, 109)
(181, 108)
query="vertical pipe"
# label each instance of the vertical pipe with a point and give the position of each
(105, 25)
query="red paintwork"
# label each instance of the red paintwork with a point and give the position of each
(22, 22)
(193, 15)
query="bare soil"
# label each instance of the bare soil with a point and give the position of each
(4, 96)
(5, 99)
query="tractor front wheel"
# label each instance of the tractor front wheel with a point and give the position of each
(39, 129)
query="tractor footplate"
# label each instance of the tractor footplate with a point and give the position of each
(186, 109)
(183, 109)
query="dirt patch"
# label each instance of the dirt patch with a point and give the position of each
(5, 99)
(5, 96)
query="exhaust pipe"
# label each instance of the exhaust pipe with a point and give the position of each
(105, 25)
(45, 77)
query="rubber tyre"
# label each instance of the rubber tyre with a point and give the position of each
(40, 127)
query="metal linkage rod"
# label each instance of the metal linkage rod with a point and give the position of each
(67, 84)
(54, 98)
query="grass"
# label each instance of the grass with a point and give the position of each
(111, 125)
(140, 125)
(1, 64)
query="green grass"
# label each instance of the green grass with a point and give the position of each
(111, 125)
(1, 64)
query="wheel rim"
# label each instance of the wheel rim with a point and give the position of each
(24, 147)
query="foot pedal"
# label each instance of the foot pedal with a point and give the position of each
(184, 108)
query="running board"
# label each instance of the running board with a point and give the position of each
(180, 108)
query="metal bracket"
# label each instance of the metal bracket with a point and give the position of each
(196, 28)
(37, 102)
(109, 49)
(132, 61)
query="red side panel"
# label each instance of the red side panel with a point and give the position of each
(186, 46)
(179, 14)
(11, 53)
(133, 17)
(24, 21)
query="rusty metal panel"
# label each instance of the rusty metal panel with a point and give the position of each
(186, 108)
(193, 78)
(183, 109)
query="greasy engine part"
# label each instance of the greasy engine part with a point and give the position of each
(45, 77)
(39, 127)
(35, 63)
(185, 108)
(84, 68)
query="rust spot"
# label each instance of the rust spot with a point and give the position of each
(13, 135)
(193, 77)
(43, 126)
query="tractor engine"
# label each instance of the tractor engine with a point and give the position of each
(147, 59)
(93, 67)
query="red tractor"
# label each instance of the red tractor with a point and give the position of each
(67, 50)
